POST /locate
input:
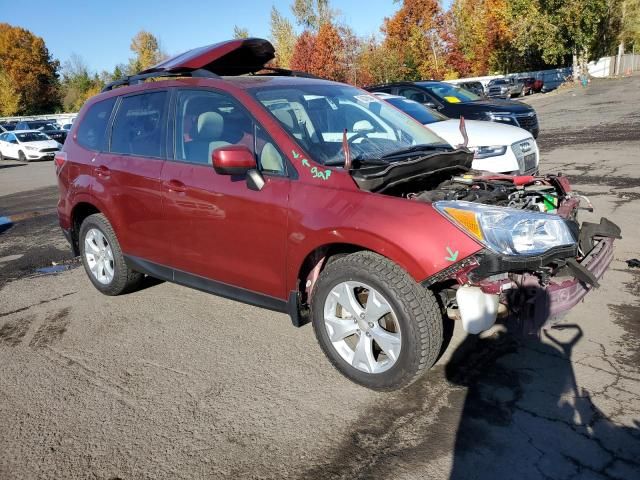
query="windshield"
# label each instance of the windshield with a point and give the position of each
(41, 126)
(416, 110)
(31, 137)
(498, 82)
(317, 116)
(450, 93)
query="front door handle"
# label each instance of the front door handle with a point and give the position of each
(175, 186)
(103, 171)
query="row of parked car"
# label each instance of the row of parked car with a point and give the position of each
(328, 203)
(29, 140)
(507, 87)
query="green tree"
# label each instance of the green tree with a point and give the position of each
(283, 38)
(311, 14)
(32, 72)
(239, 32)
(78, 84)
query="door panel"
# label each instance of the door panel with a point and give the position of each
(128, 177)
(218, 228)
(221, 230)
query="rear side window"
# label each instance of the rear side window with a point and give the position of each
(139, 125)
(92, 129)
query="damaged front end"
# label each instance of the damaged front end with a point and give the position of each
(541, 264)
(538, 261)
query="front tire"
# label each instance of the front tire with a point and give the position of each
(375, 324)
(22, 157)
(102, 257)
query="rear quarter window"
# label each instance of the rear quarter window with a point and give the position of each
(93, 127)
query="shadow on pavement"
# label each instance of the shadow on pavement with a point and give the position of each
(524, 415)
(13, 165)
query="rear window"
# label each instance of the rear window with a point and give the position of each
(138, 128)
(91, 131)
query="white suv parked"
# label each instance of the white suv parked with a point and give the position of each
(498, 147)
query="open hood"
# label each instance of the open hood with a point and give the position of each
(233, 57)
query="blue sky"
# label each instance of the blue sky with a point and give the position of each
(100, 32)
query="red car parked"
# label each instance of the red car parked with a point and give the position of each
(316, 199)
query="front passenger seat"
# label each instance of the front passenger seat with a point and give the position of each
(207, 138)
(270, 159)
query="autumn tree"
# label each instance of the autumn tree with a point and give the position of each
(377, 63)
(9, 96)
(239, 32)
(283, 38)
(147, 51)
(31, 71)
(303, 52)
(328, 48)
(413, 33)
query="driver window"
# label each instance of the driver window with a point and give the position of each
(413, 94)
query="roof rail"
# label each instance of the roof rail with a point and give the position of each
(141, 77)
(288, 73)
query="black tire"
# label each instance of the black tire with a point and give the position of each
(22, 157)
(420, 319)
(124, 279)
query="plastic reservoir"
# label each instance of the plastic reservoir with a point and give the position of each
(478, 310)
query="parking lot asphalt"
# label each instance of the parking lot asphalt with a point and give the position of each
(169, 382)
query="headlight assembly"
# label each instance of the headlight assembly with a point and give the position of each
(29, 147)
(502, 117)
(508, 231)
(486, 152)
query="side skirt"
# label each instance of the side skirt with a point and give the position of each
(214, 287)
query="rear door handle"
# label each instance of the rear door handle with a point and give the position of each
(175, 186)
(103, 171)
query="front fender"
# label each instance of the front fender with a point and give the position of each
(410, 233)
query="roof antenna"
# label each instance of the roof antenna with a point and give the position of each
(463, 131)
(347, 150)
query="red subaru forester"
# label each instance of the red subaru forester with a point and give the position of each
(316, 199)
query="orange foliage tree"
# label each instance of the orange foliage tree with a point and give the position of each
(303, 52)
(31, 70)
(413, 34)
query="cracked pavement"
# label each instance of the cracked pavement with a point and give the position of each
(168, 382)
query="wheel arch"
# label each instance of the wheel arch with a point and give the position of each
(316, 259)
(80, 211)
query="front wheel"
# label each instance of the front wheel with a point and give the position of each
(376, 325)
(22, 157)
(102, 257)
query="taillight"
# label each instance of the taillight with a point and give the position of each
(59, 159)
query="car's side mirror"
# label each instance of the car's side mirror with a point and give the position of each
(430, 105)
(233, 160)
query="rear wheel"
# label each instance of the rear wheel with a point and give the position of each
(22, 157)
(376, 325)
(102, 257)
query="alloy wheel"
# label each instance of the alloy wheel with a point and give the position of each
(362, 327)
(99, 256)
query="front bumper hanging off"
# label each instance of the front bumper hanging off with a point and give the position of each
(531, 300)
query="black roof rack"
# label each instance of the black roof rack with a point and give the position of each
(141, 77)
(288, 73)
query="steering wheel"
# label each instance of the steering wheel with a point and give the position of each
(356, 136)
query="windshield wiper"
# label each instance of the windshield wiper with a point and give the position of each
(425, 148)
